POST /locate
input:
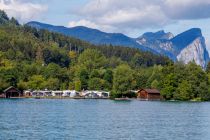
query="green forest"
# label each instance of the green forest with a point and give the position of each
(39, 59)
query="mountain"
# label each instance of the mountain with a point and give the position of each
(187, 46)
(92, 35)
(159, 41)
(190, 45)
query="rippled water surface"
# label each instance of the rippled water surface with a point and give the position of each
(103, 119)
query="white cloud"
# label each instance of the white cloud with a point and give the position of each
(83, 23)
(135, 14)
(23, 11)
(187, 9)
(129, 15)
(90, 24)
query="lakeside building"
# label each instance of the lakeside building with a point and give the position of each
(149, 94)
(48, 93)
(12, 92)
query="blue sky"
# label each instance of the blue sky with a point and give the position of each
(131, 17)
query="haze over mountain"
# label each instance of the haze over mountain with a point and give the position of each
(187, 46)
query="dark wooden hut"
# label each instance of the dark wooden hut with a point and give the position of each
(149, 94)
(12, 92)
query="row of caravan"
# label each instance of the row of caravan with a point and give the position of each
(95, 94)
(67, 93)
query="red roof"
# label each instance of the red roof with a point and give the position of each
(151, 91)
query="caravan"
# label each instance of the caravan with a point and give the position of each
(70, 93)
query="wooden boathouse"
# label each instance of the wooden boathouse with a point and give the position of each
(12, 92)
(149, 94)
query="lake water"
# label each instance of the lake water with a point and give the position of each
(22, 119)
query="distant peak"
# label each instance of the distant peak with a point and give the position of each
(196, 31)
(184, 39)
(191, 34)
(160, 32)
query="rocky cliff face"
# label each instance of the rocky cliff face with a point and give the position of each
(186, 47)
(196, 51)
(159, 41)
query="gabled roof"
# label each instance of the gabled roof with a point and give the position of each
(11, 87)
(151, 91)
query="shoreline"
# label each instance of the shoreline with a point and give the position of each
(56, 97)
(83, 98)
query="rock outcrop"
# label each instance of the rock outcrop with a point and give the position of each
(186, 47)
